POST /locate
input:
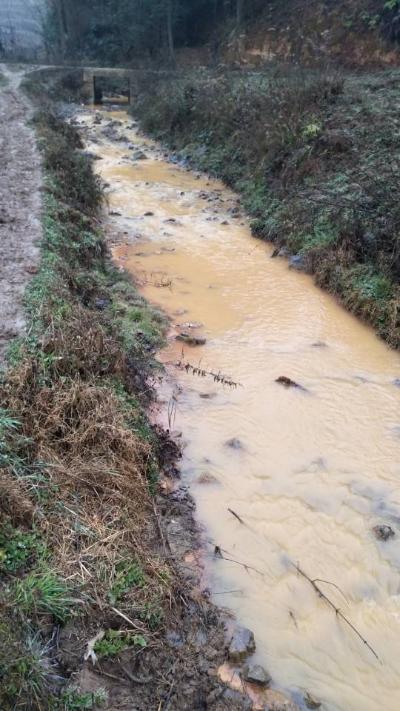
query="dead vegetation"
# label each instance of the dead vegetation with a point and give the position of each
(202, 372)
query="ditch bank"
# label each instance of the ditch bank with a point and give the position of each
(101, 601)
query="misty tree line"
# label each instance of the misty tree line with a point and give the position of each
(115, 31)
(121, 30)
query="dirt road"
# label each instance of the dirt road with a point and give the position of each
(20, 206)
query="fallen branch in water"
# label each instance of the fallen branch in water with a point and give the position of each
(203, 373)
(333, 606)
(218, 552)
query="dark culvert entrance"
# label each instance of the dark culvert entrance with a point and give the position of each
(111, 90)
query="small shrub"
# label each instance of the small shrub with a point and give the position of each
(115, 642)
(128, 575)
(152, 614)
(18, 548)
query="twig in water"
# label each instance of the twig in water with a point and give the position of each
(236, 516)
(336, 609)
(219, 554)
(320, 580)
(172, 408)
(227, 592)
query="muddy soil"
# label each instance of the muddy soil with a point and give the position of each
(20, 206)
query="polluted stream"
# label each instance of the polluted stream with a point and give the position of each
(281, 476)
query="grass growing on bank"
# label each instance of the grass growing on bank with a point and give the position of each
(78, 458)
(316, 159)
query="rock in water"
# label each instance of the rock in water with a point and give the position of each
(311, 702)
(191, 340)
(319, 344)
(278, 702)
(139, 155)
(242, 644)
(234, 443)
(297, 262)
(383, 532)
(288, 383)
(256, 674)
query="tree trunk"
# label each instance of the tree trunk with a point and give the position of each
(170, 32)
(239, 14)
(62, 28)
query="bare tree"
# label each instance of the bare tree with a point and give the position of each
(170, 30)
(239, 14)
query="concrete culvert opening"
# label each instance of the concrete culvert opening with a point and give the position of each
(111, 89)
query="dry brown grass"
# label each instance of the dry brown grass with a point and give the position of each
(97, 464)
(14, 500)
(82, 346)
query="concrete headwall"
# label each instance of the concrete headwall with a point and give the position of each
(21, 28)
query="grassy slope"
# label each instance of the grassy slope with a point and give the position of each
(78, 460)
(315, 158)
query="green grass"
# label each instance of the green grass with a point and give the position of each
(152, 614)
(324, 235)
(370, 284)
(128, 575)
(27, 674)
(75, 700)
(42, 592)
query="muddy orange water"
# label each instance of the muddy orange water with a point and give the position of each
(315, 471)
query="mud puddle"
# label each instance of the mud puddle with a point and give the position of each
(309, 472)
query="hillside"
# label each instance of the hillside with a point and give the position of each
(360, 33)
